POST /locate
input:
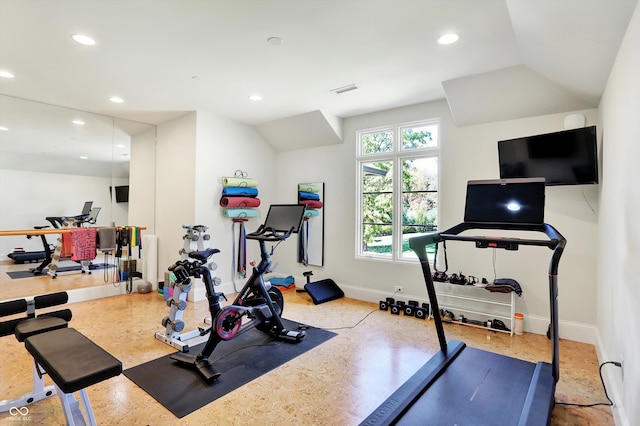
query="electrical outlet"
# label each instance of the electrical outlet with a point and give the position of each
(398, 289)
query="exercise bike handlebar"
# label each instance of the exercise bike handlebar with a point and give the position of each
(269, 234)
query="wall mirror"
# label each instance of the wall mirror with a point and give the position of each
(311, 235)
(53, 159)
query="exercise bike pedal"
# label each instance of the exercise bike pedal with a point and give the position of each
(204, 331)
(291, 335)
(206, 370)
(204, 367)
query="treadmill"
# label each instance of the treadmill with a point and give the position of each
(464, 385)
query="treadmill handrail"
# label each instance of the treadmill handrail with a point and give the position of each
(556, 242)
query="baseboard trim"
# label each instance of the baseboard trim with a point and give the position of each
(90, 293)
(613, 386)
(585, 333)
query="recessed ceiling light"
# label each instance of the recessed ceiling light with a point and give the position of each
(448, 38)
(78, 122)
(83, 39)
(84, 157)
(6, 74)
(255, 98)
(275, 41)
(116, 100)
(4, 128)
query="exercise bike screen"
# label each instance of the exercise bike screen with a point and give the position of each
(283, 217)
(505, 201)
(86, 209)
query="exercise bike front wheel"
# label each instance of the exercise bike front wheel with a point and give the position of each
(228, 322)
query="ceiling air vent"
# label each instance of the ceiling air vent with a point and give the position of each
(343, 89)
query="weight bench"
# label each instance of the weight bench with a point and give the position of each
(30, 325)
(74, 363)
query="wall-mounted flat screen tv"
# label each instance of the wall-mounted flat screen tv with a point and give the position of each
(122, 194)
(569, 157)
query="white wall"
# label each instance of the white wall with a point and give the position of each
(27, 197)
(142, 181)
(193, 153)
(619, 251)
(175, 169)
(224, 146)
(467, 153)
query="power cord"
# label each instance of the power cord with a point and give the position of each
(610, 403)
(355, 325)
(362, 319)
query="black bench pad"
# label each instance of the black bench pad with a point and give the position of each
(72, 360)
(33, 326)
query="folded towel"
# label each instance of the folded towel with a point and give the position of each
(107, 239)
(239, 202)
(307, 187)
(308, 196)
(245, 192)
(239, 182)
(239, 213)
(84, 243)
(311, 204)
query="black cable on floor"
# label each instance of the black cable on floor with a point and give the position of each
(352, 326)
(610, 403)
(358, 323)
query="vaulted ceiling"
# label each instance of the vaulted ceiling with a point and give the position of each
(514, 58)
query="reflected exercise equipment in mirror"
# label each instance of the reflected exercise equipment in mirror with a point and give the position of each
(311, 235)
(53, 159)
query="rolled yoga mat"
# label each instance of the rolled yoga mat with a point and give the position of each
(239, 202)
(240, 213)
(311, 213)
(311, 204)
(246, 192)
(239, 182)
(308, 196)
(306, 187)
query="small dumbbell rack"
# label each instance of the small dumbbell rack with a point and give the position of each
(176, 295)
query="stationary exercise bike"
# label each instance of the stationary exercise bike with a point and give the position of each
(257, 305)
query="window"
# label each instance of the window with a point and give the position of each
(397, 187)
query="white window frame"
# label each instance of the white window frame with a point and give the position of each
(396, 156)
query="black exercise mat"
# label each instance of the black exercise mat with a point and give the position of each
(28, 274)
(182, 390)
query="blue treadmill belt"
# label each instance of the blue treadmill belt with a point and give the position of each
(479, 388)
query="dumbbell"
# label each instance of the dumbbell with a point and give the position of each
(410, 308)
(384, 304)
(181, 305)
(177, 325)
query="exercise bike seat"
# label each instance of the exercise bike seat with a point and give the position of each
(202, 256)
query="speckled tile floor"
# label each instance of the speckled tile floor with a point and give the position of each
(337, 383)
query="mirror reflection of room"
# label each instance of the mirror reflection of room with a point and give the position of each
(311, 235)
(52, 161)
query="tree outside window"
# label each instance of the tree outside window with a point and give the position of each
(398, 187)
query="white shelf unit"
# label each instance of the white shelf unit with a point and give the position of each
(494, 305)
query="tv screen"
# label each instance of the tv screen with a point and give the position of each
(505, 201)
(122, 194)
(568, 157)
